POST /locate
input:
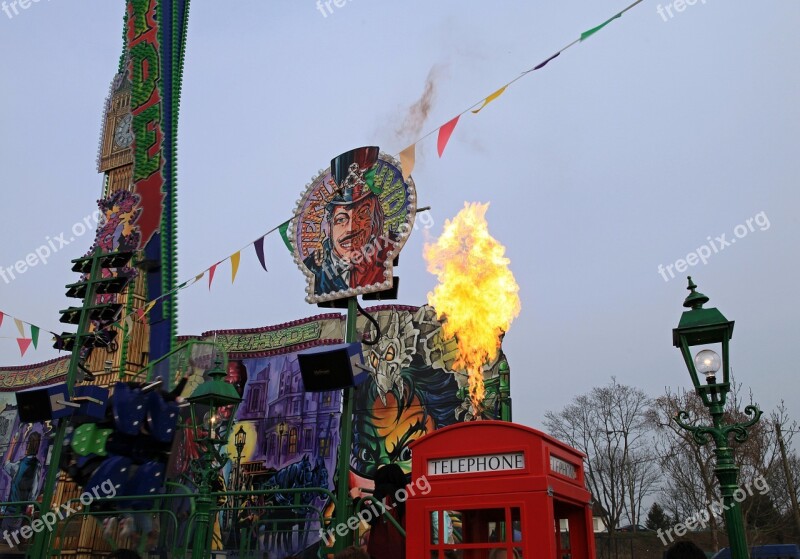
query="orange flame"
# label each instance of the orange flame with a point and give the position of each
(477, 294)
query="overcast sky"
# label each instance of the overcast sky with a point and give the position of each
(626, 153)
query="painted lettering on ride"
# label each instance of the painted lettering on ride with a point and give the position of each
(145, 75)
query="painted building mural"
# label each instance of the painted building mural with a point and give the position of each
(288, 438)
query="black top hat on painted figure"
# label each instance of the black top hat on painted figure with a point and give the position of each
(348, 170)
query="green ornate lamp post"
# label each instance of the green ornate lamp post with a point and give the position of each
(213, 406)
(708, 327)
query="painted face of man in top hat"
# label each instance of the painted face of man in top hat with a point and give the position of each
(353, 226)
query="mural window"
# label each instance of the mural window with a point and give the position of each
(296, 407)
(293, 441)
(326, 398)
(4, 424)
(254, 401)
(308, 439)
(271, 445)
(324, 447)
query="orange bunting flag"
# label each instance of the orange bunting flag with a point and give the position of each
(211, 271)
(491, 98)
(407, 158)
(444, 134)
(20, 327)
(235, 264)
(24, 344)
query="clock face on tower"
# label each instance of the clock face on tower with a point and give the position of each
(123, 135)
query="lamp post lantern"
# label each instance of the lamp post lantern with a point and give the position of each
(708, 327)
(213, 407)
(239, 440)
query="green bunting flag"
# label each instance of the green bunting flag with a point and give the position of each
(593, 30)
(369, 178)
(34, 335)
(284, 227)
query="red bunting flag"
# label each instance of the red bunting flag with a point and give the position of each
(24, 344)
(444, 134)
(1, 318)
(211, 271)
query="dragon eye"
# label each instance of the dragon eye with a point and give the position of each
(389, 353)
(374, 361)
(405, 455)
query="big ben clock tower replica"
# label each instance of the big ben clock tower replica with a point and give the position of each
(137, 156)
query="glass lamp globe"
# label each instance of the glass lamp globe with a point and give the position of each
(707, 362)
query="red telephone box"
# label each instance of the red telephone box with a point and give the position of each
(498, 490)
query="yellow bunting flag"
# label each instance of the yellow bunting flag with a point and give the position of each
(491, 98)
(235, 264)
(149, 307)
(20, 327)
(407, 158)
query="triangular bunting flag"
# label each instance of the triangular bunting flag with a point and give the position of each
(407, 159)
(1, 318)
(259, 246)
(543, 64)
(284, 227)
(20, 327)
(35, 335)
(139, 314)
(24, 344)
(129, 322)
(593, 30)
(149, 306)
(235, 257)
(491, 98)
(369, 178)
(199, 276)
(211, 271)
(444, 135)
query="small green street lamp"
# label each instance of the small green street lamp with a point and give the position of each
(708, 327)
(213, 406)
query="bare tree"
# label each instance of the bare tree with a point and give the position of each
(690, 484)
(609, 425)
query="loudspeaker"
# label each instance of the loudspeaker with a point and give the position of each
(330, 367)
(43, 403)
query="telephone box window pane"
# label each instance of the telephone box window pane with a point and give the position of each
(448, 527)
(516, 524)
(478, 525)
(503, 553)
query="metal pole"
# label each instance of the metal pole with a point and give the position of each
(344, 505)
(789, 480)
(202, 514)
(41, 542)
(727, 473)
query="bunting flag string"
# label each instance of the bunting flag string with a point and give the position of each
(407, 158)
(24, 341)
